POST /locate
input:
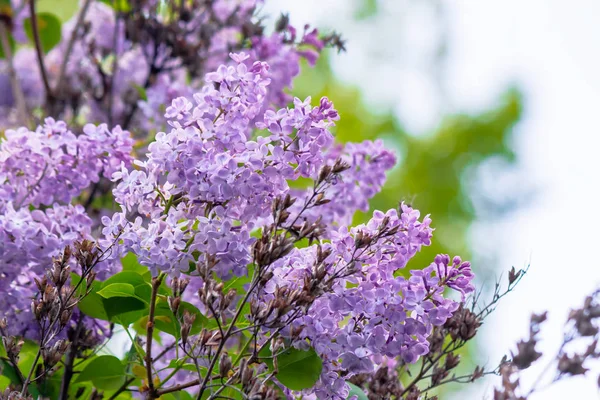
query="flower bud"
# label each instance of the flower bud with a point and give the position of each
(224, 365)
(174, 303)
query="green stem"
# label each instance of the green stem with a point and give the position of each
(156, 282)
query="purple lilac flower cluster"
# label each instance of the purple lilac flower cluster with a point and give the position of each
(41, 171)
(371, 315)
(208, 172)
(368, 162)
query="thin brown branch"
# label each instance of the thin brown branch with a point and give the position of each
(121, 389)
(70, 360)
(39, 49)
(115, 68)
(227, 335)
(71, 44)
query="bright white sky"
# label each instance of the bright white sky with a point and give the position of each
(551, 49)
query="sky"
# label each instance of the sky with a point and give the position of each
(551, 50)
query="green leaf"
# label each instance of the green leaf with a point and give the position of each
(105, 372)
(125, 297)
(118, 5)
(63, 9)
(299, 369)
(50, 387)
(91, 305)
(166, 321)
(117, 290)
(368, 9)
(116, 300)
(123, 307)
(4, 382)
(26, 358)
(140, 371)
(27, 355)
(130, 263)
(356, 391)
(81, 390)
(141, 286)
(49, 28)
(9, 372)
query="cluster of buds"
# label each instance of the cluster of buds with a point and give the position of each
(585, 318)
(252, 385)
(178, 286)
(463, 324)
(286, 300)
(56, 301)
(186, 326)
(206, 265)
(510, 384)
(199, 345)
(174, 34)
(53, 308)
(442, 371)
(383, 384)
(581, 328)
(289, 303)
(278, 239)
(329, 173)
(9, 394)
(271, 248)
(526, 352)
(87, 255)
(416, 394)
(12, 345)
(53, 354)
(212, 295)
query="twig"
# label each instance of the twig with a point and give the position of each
(70, 359)
(47, 335)
(115, 67)
(121, 389)
(38, 49)
(227, 335)
(156, 282)
(71, 44)
(225, 385)
(32, 188)
(425, 369)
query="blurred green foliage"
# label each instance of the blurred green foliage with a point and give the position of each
(431, 169)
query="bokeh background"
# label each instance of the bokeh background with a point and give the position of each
(492, 107)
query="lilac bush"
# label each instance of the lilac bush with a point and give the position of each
(173, 187)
